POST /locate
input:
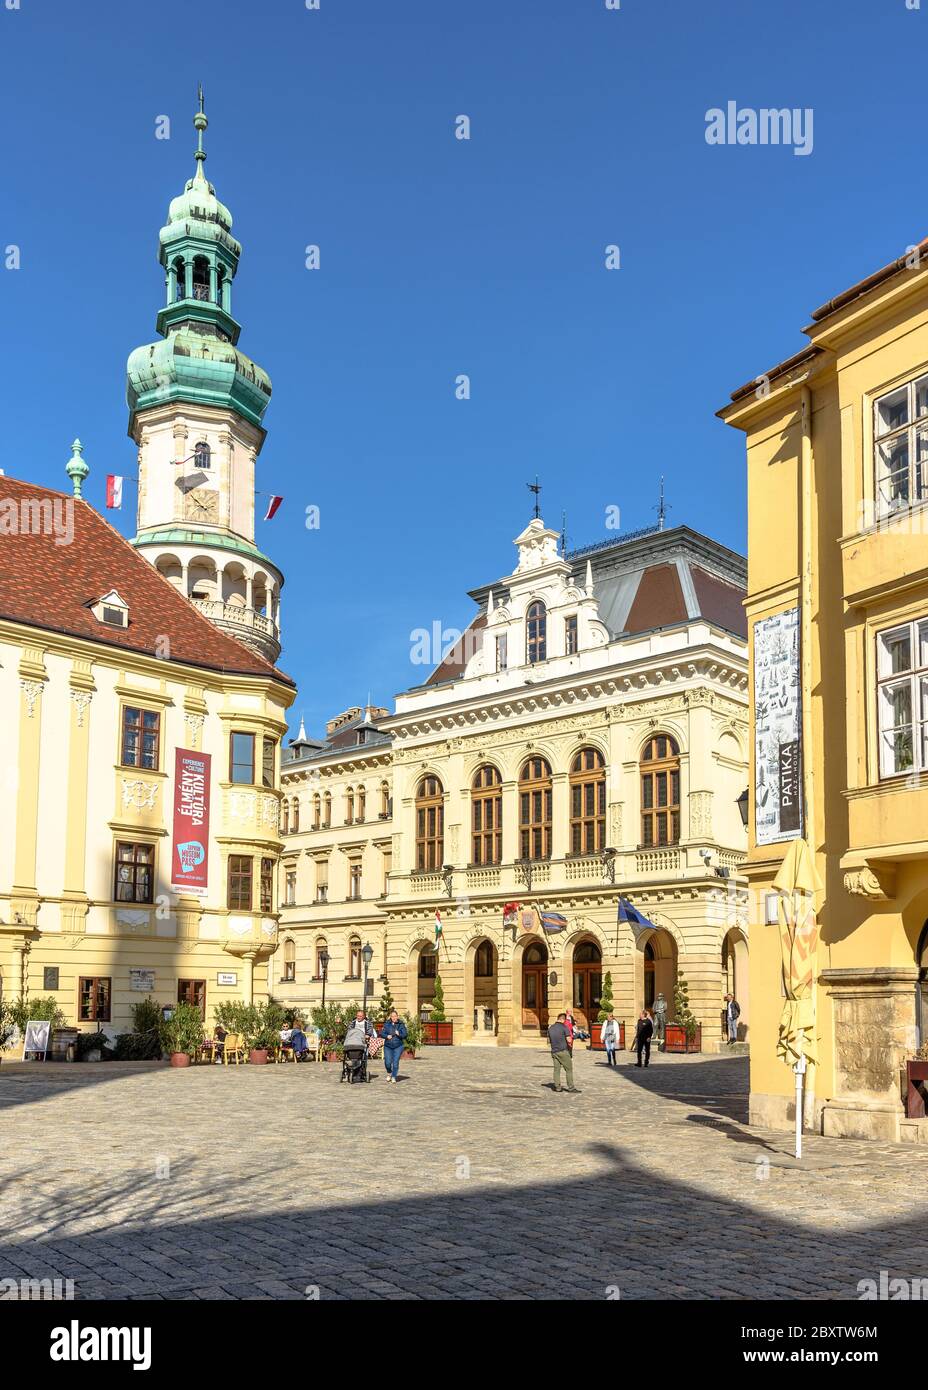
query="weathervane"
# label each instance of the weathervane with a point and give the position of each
(535, 487)
(662, 508)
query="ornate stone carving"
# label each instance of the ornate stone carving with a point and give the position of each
(701, 815)
(194, 724)
(138, 794)
(81, 700)
(616, 823)
(32, 690)
(865, 883)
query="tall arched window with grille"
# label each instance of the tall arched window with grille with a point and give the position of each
(660, 792)
(362, 806)
(317, 811)
(289, 959)
(588, 802)
(349, 806)
(430, 825)
(535, 810)
(295, 814)
(284, 816)
(385, 801)
(536, 632)
(487, 816)
(327, 811)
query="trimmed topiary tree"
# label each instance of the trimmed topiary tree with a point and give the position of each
(605, 999)
(386, 1005)
(437, 1014)
(681, 1007)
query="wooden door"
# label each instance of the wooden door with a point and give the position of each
(535, 997)
(588, 987)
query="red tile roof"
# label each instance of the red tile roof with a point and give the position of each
(48, 585)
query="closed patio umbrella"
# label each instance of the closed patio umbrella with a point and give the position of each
(798, 884)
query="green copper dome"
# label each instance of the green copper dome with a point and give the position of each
(198, 360)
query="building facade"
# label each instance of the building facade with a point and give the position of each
(836, 443)
(585, 740)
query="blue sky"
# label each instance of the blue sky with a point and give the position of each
(441, 257)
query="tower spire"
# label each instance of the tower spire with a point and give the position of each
(200, 123)
(76, 467)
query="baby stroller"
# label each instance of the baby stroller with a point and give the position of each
(354, 1061)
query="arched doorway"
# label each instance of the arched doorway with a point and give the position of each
(656, 969)
(481, 995)
(735, 977)
(588, 981)
(535, 986)
(421, 972)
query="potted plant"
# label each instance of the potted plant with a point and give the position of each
(916, 1080)
(685, 1033)
(7, 1025)
(438, 1030)
(182, 1034)
(606, 1007)
(262, 1026)
(333, 1022)
(413, 1034)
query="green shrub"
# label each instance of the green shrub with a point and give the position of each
(681, 1006)
(437, 1014)
(413, 1032)
(386, 1005)
(7, 1023)
(85, 1043)
(146, 1015)
(138, 1047)
(47, 1008)
(333, 1021)
(183, 1031)
(605, 999)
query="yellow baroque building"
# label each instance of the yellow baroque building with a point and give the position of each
(584, 741)
(106, 672)
(837, 448)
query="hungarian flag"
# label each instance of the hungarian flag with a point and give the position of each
(113, 490)
(272, 507)
(438, 929)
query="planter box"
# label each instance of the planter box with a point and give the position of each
(180, 1059)
(332, 1057)
(916, 1079)
(675, 1039)
(597, 1045)
(438, 1034)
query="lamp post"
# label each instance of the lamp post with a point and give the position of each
(324, 962)
(367, 955)
(742, 804)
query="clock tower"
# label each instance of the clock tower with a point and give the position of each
(196, 405)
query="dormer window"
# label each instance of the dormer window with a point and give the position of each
(536, 633)
(201, 454)
(570, 634)
(111, 610)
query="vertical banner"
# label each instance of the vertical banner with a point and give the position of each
(778, 809)
(190, 858)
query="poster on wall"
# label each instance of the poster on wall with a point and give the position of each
(190, 857)
(777, 729)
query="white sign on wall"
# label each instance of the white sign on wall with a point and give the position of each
(778, 812)
(227, 977)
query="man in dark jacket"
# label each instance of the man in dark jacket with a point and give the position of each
(732, 1014)
(394, 1040)
(560, 1054)
(643, 1037)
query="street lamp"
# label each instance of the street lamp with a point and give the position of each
(367, 955)
(324, 962)
(742, 804)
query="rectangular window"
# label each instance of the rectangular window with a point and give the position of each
(267, 763)
(354, 888)
(240, 876)
(134, 872)
(322, 880)
(291, 887)
(93, 995)
(502, 659)
(387, 864)
(902, 698)
(570, 634)
(192, 992)
(900, 428)
(267, 885)
(141, 733)
(242, 758)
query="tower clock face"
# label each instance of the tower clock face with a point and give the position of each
(202, 505)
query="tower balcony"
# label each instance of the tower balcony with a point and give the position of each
(256, 630)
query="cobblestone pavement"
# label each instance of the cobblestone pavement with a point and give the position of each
(469, 1179)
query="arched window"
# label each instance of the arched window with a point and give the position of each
(536, 633)
(483, 960)
(487, 816)
(354, 958)
(201, 454)
(321, 949)
(327, 817)
(180, 289)
(535, 810)
(430, 825)
(386, 809)
(200, 277)
(289, 959)
(317, 811)
(588, 802)
(284, 816)
(349, 806)
(362, 805)
(295, 815)
(660, 791)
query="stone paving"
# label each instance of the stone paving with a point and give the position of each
(470, 1179)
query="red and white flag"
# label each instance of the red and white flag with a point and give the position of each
(272, 507)
(113, 490)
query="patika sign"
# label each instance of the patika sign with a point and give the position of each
(190, 859)
(777, 729)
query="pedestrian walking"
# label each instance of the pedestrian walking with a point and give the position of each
(559, 1039)
(643, 1033)
(609, 1036)
(732, 1014)
(394, 1040)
